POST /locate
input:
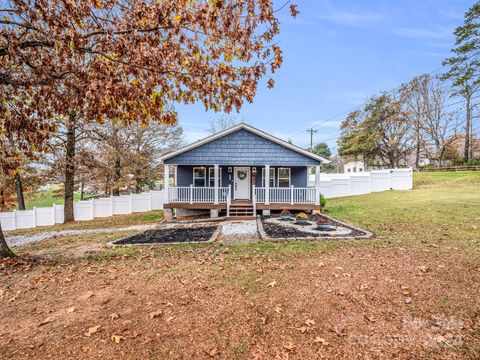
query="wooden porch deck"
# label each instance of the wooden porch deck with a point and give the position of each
(223, 206)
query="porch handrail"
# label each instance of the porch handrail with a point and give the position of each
(286, 195)
(229, 199)
(196, 194)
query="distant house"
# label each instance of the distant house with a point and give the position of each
(240, 171)
(354, 167)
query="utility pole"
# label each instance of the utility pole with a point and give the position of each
(311, 131)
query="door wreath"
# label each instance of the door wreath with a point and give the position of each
(242, 175)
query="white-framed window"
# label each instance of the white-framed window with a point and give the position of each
(199, 176)
(272, 177)
(211, 177)
(283, 177)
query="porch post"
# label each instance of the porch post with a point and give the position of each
(267, 184)
(317, 185)
(166, 179)
(215, 170)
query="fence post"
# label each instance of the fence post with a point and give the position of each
(130, 203)
(53, 212)
(111, 203)
(93, 209)
(191, 193)
(34, 217)
(14, 216)
(291, 195)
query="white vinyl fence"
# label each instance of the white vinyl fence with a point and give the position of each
(337, 185)
(331, 185)
(84, 210)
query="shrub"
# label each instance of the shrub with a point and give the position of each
(323, 201)
(285, 213)
(302, 216)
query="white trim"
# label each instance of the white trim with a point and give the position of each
(220, 174)
(249, 182)
(289, 176)
(270, 178)
(204, 177)
(248, 128)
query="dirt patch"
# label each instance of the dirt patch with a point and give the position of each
(282, 301)
(168, 236)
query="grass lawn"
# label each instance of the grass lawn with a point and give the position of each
(47, 198)
(413, 292)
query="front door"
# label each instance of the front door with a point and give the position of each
(241, 183)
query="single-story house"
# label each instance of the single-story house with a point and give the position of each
(240, 171)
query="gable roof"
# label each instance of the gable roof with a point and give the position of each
(251, 129)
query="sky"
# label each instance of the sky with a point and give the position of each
(336, 55)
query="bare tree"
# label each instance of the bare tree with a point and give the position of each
(225, 121)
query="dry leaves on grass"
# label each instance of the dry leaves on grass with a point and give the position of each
(155, 314)
(92, 330)
(118, 338)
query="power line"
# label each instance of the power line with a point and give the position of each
(311, 131)
(421, 114)
(316, 125)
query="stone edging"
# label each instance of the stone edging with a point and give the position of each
(212, 239)
(265, 237)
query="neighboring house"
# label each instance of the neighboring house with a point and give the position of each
(354, 167)
(241, 170)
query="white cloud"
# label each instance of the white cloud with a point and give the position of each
(349, 18)
(414, 33)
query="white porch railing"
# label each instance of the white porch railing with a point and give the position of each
(192, 194)
(287, 195)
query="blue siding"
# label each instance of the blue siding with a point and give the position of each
(242, 147)
(298, 176)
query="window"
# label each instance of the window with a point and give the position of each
(272, 177)
(283, 177)
(199, 176)
(211, 177)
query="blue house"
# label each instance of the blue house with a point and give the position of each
(240, 171)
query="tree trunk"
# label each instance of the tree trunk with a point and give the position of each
(417, 145)
(118, 174)
(19, 188)
(466, 150)
(5, 251)
(70, 170)
(82, 190)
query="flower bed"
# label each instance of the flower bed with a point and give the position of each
(315, 227)
(172, 235)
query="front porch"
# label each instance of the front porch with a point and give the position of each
(242, 190)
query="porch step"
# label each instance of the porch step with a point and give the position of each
(241, 218)
(241, 210)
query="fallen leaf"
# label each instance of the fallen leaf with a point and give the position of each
(92, 330)
(408, 300)
(87, 295)
(278, 309)
(114, 316)
(321, 341)
(155, 314)
(289, 346)
(309, 322)
(118, 338)
(302, 329)
(71, 310)
(272, 284)
(213, 352)
(46, 321)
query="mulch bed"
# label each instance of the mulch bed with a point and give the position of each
(278, 231)
(168, 236)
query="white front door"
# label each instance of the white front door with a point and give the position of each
(241, 183)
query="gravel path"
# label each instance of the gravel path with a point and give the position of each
(239, 227)
(13, 241)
